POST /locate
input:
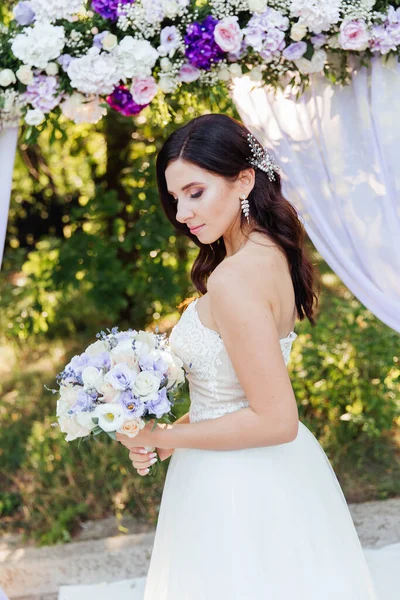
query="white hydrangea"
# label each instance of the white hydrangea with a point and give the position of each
(11, 103)
(40, 44)
(83, 109)
(135, 58)
(317, 15)
(51, 10)
(94, 73)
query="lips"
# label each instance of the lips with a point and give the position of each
(194, 229)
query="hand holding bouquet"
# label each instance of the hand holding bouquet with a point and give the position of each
(118, 384)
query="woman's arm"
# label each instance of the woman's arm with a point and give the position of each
(250, 335)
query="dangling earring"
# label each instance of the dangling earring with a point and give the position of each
(245, 206)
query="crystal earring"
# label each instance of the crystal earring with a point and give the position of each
(245, 206)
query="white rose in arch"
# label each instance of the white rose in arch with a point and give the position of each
(111, 416)
(24, 74)
(7, 77)
(34, 117)
(315, 65)
(298, 31)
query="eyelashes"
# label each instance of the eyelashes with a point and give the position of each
(196, 195)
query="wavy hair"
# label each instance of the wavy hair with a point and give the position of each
(219, 144)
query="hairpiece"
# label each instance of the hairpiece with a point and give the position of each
(261, 158)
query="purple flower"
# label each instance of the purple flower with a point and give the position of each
(121, 100)
(169, 38)
(151, 363)
(108, 9)
(161, 405)
(64, 60)
(201, 48)
(318, 40)
(84, 401)
(120, 377)
(78, 363)
(380, 40)
(133, 406)
(98, 39)
(24, 13)
(43, 93)
(100, 361)
(273, 43)
(295, 51)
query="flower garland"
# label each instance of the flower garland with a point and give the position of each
(83, 58)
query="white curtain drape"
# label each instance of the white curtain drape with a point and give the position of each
(8, 144)
(338, 148)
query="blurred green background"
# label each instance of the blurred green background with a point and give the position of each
(88, 247)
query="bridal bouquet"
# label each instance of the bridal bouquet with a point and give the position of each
(120, 382)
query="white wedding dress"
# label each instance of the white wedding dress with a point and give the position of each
(267, 523)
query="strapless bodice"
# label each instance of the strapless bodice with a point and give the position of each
(213, 384)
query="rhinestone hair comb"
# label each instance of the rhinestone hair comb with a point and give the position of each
(261, 158)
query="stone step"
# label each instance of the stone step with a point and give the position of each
(101, 554)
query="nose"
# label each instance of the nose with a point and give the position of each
(183, 212)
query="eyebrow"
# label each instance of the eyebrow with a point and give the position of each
(188, 185)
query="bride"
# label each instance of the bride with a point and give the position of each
(251, 507)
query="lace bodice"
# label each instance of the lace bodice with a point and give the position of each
(213, 385)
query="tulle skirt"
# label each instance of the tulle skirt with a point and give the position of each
(267, 523)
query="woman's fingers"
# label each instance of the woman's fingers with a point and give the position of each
(141, 462)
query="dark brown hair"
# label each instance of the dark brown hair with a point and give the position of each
(218, 143)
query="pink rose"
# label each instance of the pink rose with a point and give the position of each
(143, 90)
(353, 35)
(108, 393)
(188, 73)
(228, 35)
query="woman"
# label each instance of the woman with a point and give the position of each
(251, 507)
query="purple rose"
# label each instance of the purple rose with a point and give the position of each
(161, 405)
(84, 401)
(120, 377)
(24, 13)
(169, 38)
(188, 73)
(151, 363)
(43, 93)
(133, 406)
(100, 361)
(121, 100)
(318, 40)
(108, 9)
(78, 363)
(295, 51)
(201, 49)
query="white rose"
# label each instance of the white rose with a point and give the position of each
(85, 418)
(109, 42)
(315, 65)
(235, 69)
(62, 407)
(34, 117)
(146, 384)
(224, 74)
(176, 375)
(24, 74)
(72, 428)
(145, 338)
(171, 8)
(69, 394)
(257, 5)
(298, 31)
(111, 416)
(92, 378)
(167, 84)
(165, 64)
(256, 74)
(108, 392)
(7, 77)
(124, 353)
(52, 68)
(96, 348)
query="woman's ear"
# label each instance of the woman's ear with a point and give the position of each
(246, 181)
